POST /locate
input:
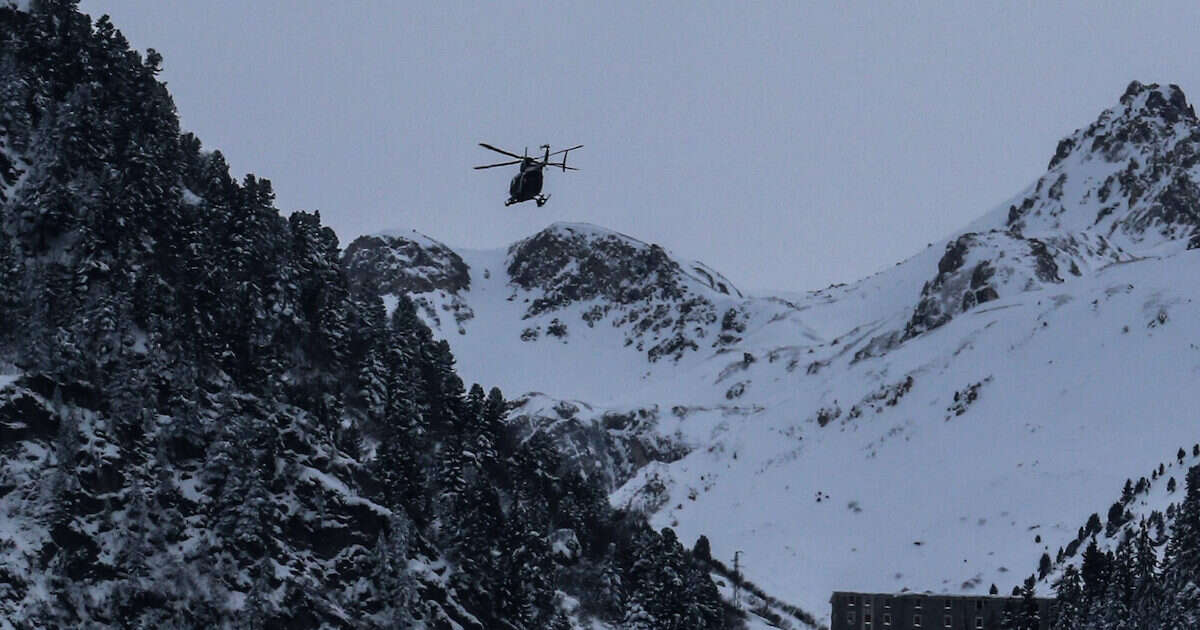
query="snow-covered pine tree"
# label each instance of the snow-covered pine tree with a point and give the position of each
(1181, 563)
(1070, 606)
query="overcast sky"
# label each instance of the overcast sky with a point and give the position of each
(789, 145)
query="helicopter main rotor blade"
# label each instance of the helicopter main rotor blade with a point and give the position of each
(499, 164)
(580, 146)
(561, 165)
(488, 146)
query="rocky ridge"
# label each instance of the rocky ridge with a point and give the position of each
(1019, 332)
(1123, 187)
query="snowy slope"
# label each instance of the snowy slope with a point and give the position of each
(915, 430)
(1154, 498)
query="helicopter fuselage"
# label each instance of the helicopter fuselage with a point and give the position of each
(526, 185)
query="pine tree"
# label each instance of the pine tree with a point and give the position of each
(1030, 614)
(702, 550)
(368, 350)
(257, 610)
(1127, 492)
(1146, 599)
(1181, 564)
(1071, 607)
(394, 589)
(1114, 608)
(1116, 518)
(611, 594)
(1094, 572)
(494, 411)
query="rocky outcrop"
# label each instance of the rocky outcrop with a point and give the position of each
(401, 265)
(611, 444)
(979, 268)
(665, 308)
(1132, 175)
(1123, 186)
(415, 266)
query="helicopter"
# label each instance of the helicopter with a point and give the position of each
(527, 184)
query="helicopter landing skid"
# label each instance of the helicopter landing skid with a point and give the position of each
(540, 200)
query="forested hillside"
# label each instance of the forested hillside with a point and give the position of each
(203, 425)
(1139, 567)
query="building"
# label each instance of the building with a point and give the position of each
(926, 611)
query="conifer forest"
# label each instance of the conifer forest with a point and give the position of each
(213, 414)
(212, 428)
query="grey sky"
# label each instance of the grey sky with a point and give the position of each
(789, 145)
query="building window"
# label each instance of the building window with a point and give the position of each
(867, 618)
(850, 617)
(887, 619)
(866, 604)
(917, 604)
(979, 604)
(979, 623)
(916, 621)
(887, 603)
(947, 621)
(853, 600)
(947, 604)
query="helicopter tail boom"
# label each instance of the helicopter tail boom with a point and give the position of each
(564, 153)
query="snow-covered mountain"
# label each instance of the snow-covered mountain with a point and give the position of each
(936, 426)
(203, 426)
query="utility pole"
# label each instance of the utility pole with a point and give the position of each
(737, 580)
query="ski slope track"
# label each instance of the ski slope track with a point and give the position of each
(917, 430)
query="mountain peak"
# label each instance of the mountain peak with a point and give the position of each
(405, 262)
(1145, 117)
(1130, 178)
(576, 246)
(585, 229)
(1125, 186)
(1168, 103)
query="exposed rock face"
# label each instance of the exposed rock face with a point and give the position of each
(1131, 175)
(605, 443)
(979, 268)
(401, 265)
(666, 309)
(1125, 185)
(580, 263)
(412, 265)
